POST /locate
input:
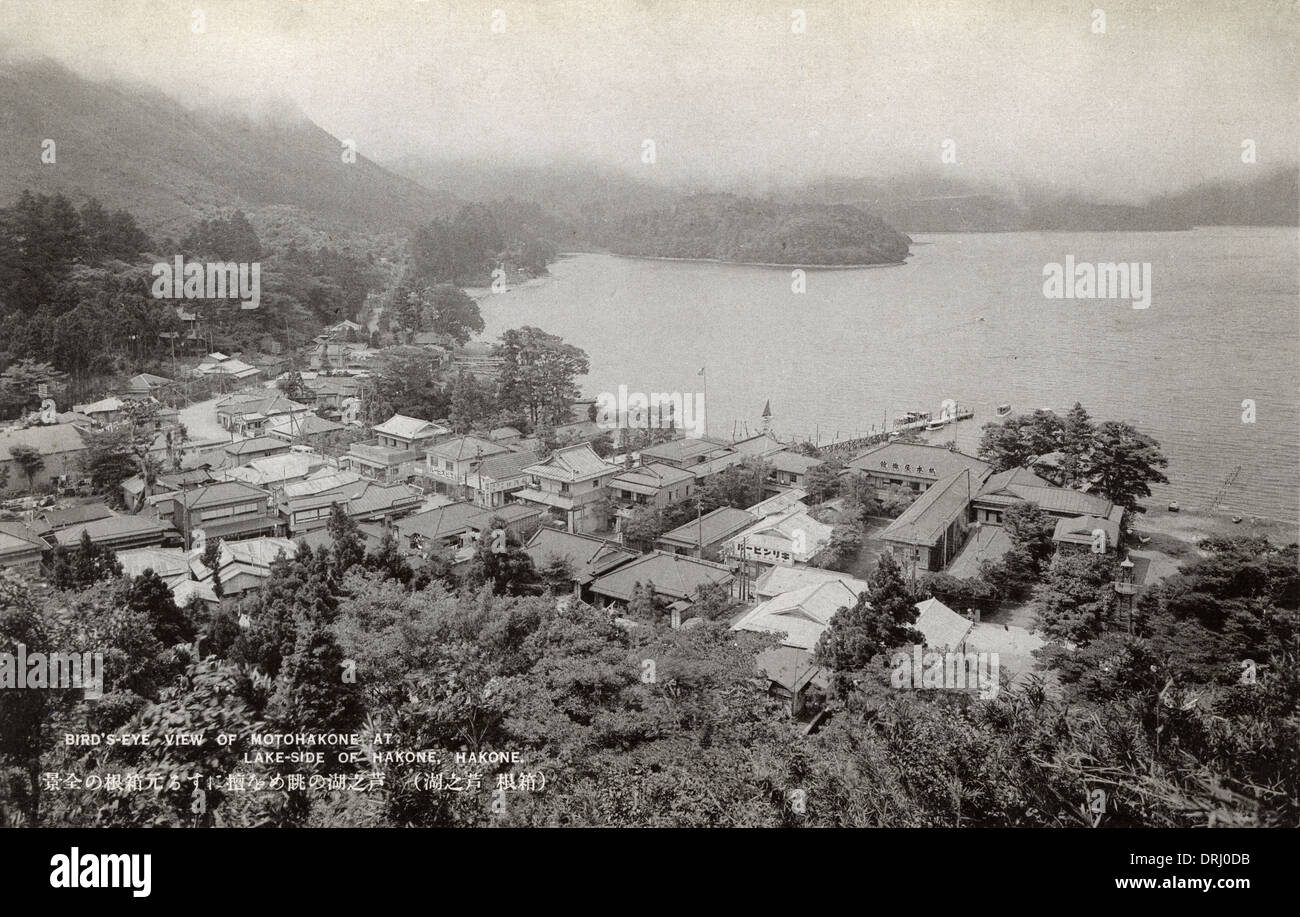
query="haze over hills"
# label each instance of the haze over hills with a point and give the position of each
(592, 204)
(169, 163)
(135, 148)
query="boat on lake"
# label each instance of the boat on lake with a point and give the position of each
(911, 420)
(1004, 409)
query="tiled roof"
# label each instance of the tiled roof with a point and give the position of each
(166, 562)
(273, 402)
(19, 538)
(74, 515)
(465, 447)
(793, 462)
(919, 459)
(588, 557)
(1079, 529)
(443, 522)
(224, 492)
(763, 444)
(380, 498)
(306, 425)
(925, 520)
(656, 474)
(256, 444)
(673, 575)
(802, 615)
(1021, 484)
(256, 552)
(989, 542)
(576, 463)
(111, 528)
(942, 627)
(718, 525)
(48, 440)
(404, 427)
(509, 465)
(790, 668)
(274, 469)
(322, 481)
(778, 504)
(787, 525)
(682, 451)
(781, 579)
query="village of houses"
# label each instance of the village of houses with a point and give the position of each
(254, 474)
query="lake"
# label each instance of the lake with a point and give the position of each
(966, 318)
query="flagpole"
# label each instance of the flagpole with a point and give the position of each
(705, 386)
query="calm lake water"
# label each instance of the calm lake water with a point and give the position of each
(966, 319)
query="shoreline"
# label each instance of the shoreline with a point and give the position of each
(1191, 526)
(771, 264)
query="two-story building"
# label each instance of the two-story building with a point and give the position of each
(707, 536)
(649, 487)
(587, 557)
(248, 414)
(702, 457)
(932, 530)
(790, 469)
(228, 510)
(571, 484)
(495, 482)
(396, 453)
(916, 467)
(788, 538)
(450, 463)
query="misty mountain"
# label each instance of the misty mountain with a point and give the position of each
(586, 205)
(575, 205)
(137, 149)
(726, 227)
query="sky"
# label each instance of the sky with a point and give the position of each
(730, 91)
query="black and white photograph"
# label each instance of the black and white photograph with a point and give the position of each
(626, 414)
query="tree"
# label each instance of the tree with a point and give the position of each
(843, 546)
(1078, 442)
(25, 733)
(823, 482)
(405, 381)
(643, 604)
(349, 549)
(88, 564)
(29, 459)
(1123, 463)
(108, 461)
(557, 574)
(471, 403)
(500, 562)
(643, 527)
(881, 620)
(388, 561)
(740, 486)
(1018, 439)
(538, 375)
(1077, 597)
(211, 558)
(1030, 528)
(149, 596)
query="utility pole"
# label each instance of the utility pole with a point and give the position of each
(699, 529)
